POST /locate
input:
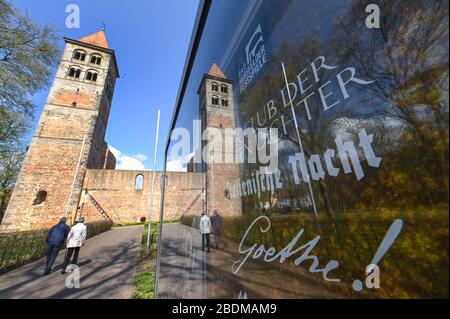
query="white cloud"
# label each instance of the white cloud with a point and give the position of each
(130, 164)
(141, 157)
(176, 166)
(127, 162)
(115, 151)
(179, 165)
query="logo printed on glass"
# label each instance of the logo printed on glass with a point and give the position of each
(255, 54)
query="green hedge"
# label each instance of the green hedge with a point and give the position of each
(416, 266)
(96, 228)
(20, 248)
(193, 221)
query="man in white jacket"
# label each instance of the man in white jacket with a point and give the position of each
(75, 239)
(205, 230)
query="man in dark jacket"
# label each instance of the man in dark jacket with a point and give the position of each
(55, 240)
(216, 221)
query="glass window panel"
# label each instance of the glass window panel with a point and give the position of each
(362, 119)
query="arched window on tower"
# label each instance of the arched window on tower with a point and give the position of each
(96, 59)
(215, 100)
(74, 72)
(79, 55)
(224, 102)
(164, 182)
(41, 197)
(91, 75)
(139, 182)
(214, 86)
(224, 88)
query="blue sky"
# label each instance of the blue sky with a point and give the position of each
(151, 40)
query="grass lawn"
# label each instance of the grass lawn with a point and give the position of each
(144, 280)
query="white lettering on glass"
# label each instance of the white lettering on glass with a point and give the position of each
(269, 254)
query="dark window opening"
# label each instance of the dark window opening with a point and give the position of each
(41, 197)
(214, 87)
(74, 73)
(215, 100)
(224, 89)
(78, 55)
(96, 60)
(224, 102)
(91, 76)
(74, 104)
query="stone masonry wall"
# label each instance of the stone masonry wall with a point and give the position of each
(114, 191)
(43, 170)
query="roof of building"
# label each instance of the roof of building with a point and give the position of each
(216, 72)
(97, 39)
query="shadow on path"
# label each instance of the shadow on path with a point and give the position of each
(107, 266)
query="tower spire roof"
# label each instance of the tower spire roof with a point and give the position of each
(216, 71)
(97, 39)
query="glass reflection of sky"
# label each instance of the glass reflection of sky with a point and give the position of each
(210, 50)
(286, 23)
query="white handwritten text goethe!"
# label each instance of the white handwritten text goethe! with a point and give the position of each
(304, 253)
(270, 254)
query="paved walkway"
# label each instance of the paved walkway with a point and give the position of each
(107, 266)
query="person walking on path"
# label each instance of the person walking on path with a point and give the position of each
(55, 240)
(205, 230)
(216, 221)
(75, 240)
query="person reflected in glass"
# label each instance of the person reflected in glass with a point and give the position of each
(216, 222)
(205, 230)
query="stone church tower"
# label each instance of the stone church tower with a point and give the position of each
(217, 111)
(73, 123)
